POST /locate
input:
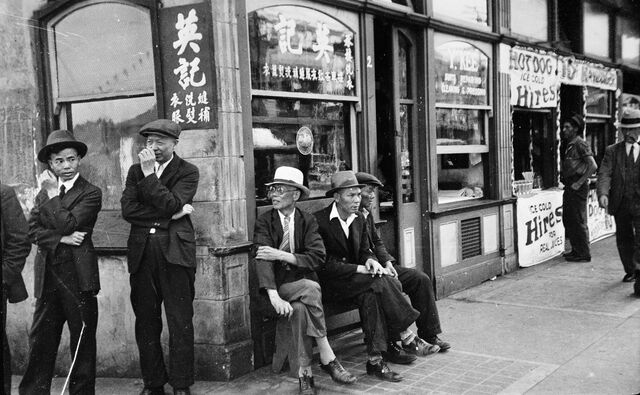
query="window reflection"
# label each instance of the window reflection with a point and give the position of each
(460, 177)
(456, 126)
(110, 130)
(598, 101)
(474, 11)
(596, 30)
(525, 11)
(630, 40)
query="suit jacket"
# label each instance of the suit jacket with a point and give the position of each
(15, 244)
(376, 242)
(338, 276)
(53, 218)
(149, 202)
(611, 176)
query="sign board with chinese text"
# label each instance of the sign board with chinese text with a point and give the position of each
(298, 49)
(540, 227)
(188, 72)
(534, 81)
(461, 74)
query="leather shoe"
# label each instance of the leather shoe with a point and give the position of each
(636, 286)
(629, 277)
(307, 385)
(420, 347)
(570, 253)
(575, 258)
(435, 340)
(382, 371)
(395, 354)
(181, 391)
(152, 391)
(338, 373)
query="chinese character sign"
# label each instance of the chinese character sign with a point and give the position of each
(187, 66)
(297, 49)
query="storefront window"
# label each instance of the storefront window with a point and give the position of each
(533, 148)
(598, 101)
(472, 11)
(598, 132)
(525, 11)
(629, 33)
(595, 30)
(462, 106)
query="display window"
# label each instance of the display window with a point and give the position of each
(462, 122)
(533, 148)
(599, 132)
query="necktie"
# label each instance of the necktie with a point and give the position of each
(284, 246)
(632, 157)
(63, 190)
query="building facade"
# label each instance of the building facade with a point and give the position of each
(455, 106)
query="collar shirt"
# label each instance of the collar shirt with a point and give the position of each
(365, 212)
(345, 224)
(159, 168)
(67, 184)
(292, 246)
(636, 149)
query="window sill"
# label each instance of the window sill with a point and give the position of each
(468, 205)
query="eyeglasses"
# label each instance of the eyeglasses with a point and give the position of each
(278, 190)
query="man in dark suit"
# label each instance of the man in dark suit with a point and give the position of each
(66, 272)
(414, 283)
(290, 250)
(618, 189)
(15, 249)
(162, 256)
(352, 274)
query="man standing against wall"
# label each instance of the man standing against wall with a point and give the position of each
(619, 193)
(66, 273)
(15, 249)
(577, 166)
(162, 256)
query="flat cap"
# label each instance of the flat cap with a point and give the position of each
(368, 179)
(164, 127)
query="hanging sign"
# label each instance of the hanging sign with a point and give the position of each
(577, 72)
(540, 227)
(600, 223)
(534, 82)
(298, 49)
(187, 66)
(461, 74)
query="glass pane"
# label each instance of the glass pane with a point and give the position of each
(310, 135)
(110, 130)
(297, 49)
(455, 126)
(598, 101)
(462, 73)
(630, 40)
(596, 30)
(404, 67)
(460, 177)
(104, 48)
(525, 11)
(532, 148)
(474, 11)
(596, 137)
(406, 154)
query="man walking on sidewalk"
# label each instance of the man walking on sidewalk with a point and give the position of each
(618, 189)
(577, 166)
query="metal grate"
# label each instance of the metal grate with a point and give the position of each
(471, 237)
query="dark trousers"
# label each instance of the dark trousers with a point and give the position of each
(62, 302)
(628, 237)
(6, 352)
(574, 217)
(417, 285)
(156, 282)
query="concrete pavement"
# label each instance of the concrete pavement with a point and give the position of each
(554, 328)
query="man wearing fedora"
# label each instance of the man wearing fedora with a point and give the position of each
(66, 272)
(577, 166)
(352, 274)
(162, 256)
(417, 285)
(290, 251)
(618, 189)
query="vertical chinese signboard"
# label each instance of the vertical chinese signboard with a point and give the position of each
(188, 73)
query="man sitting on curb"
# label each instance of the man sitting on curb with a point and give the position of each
(290, 250)
(352, 274)
(416, 284)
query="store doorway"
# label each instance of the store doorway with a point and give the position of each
(396, 113)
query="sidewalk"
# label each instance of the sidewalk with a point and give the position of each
(554, 328)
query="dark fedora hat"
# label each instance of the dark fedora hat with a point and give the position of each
(368, 179)
(59, 140)
(630, 118)
(342, 180)
(576, 120)
(291, 176)
(163, 127)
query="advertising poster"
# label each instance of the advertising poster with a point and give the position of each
(600, 223)
(534, 80)
(540, 227)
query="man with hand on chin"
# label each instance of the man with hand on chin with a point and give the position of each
(162, 256)
(66, 273)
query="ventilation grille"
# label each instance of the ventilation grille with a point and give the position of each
(471, 237)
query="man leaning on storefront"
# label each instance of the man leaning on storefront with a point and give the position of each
(577, 166)
(619, 193)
